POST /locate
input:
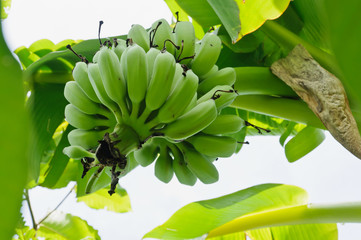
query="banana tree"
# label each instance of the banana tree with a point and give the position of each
(293, 78)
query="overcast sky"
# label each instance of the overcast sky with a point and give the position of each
(329, 174)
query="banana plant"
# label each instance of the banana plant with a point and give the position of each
(259, 40)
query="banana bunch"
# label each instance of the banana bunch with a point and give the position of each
(155, 97)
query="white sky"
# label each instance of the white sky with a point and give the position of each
(329, 174)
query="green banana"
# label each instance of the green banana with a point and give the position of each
(159, 33)
(225, 124)
(206, 54)
(213, 70)
(151, 55)
(199, 165)
(114, 83)
(178, 76)
(179, 99)
(223, 96)
(75, 95)
(137, 75)
(140, 36)
(225, 76)
(147, 154)
(88, 139)
(119, 47)
(184, 175)
(184, 38)
(77, 152)
(163, 169)
(214, 146)
(191, 122)
(97, 83)
(80, 75)
(78, 119)
(160, 82)
(192, 104)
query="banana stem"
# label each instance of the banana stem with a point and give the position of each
(135, 110)
(304, 214)
(124, 109)
(290, 109)
(152, 123)
(144, 115)
(289, 40)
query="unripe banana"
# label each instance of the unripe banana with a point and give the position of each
(192, 121)
(163, 169)
(223, 96)
(140, 36)
(78, 119)
(113, 82)
(213, 70)
(225, 76)
(214, 146)
(225, 124)
(77, 152)
(80, 75)
(119, 47)
(192, 104)
(147, 154)
(207, 54)
(151, 55)
(123, 64)
(184, 175)
(179, 99)
(88, 139)
(75, 95)
(200, 166)
(161, 81)
(137, 75)
(178, 76)
(97, 83)
(184, 38)
(162, 33)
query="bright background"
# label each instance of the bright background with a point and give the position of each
(330, 174)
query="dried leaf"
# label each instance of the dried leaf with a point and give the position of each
(323, 93)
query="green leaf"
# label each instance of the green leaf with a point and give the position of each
(42, 47)
(262, 233)
(46, 105)
(248, 43)
(118, 202)
(25, 233)
(241, 17)
(345, 35)
(14, 140)
(64, 226)
(201, 12)
(59, 161)
(174, 7)
(303, 143)
(228, 12)
(198, 218)
(305, 231)
(5, 8)
(294, 232)
(315, 29)
(233, 236)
